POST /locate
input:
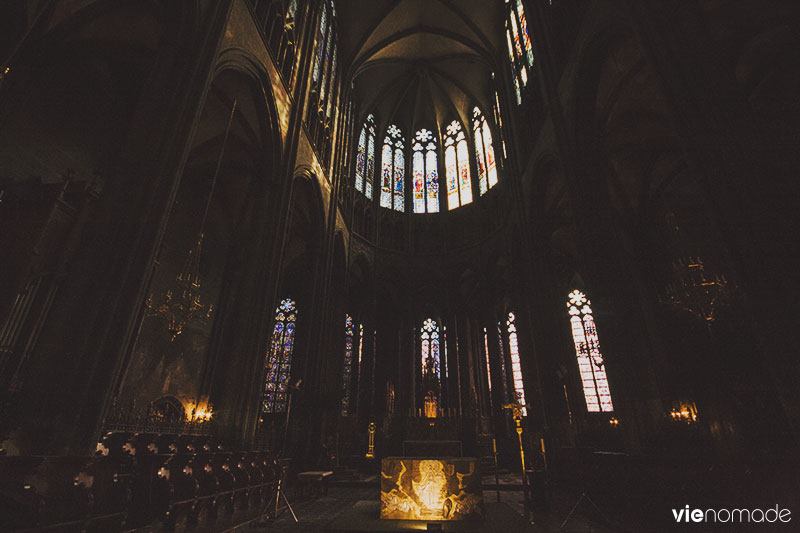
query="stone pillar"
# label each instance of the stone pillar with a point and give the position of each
(67, 382)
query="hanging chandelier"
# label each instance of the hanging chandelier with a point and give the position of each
(181, 305)
(695, 291)
(692, 289)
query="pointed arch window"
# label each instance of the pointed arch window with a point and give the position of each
(587, 349)
(498, 118)
(520, 49)
(488, 366)
(503, 375)
(279, 358)
(323, 82)
(365, 157)
(516, 368)
(360, 346)
(393, 169)
(456, 164)
(425, 173)
(484, 152)
(429, 348)
(349, 330)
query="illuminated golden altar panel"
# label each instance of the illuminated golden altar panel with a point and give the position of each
(431, 488)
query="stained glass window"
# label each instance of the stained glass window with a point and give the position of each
(279, 358)
(386, 174)
(321, 29)
(516, 369)
(526, 40)
(399, 176)
(365, 157)
(393, 169)
(498, 118)
(324, 68)
(587, 350)
(348, 363)
(370, 175)
(325, 63)
(331, 81)
(484, 151)
(456, 162)
(429, 336)
(488, 366)
(520, 49)
(444, 350)
(418, 169)
(361, 159)
(503, 375)
(425, 173)
(360, 347)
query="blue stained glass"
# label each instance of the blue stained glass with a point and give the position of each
(348, 360)
(279, 358)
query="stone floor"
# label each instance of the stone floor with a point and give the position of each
(316, 513)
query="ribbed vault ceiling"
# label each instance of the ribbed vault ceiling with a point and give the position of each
(419, 63)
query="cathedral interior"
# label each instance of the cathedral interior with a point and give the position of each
(250, 246)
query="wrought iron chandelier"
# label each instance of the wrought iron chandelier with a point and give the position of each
(181, 305)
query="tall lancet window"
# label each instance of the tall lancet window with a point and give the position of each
(456, 164)
(520, 49)
(587, 349)
(431, 366)
(349, 330)
(503, 375)
(393, 169)
(360, 347)
(498, 117)
(516, 369)
(488, 366)
(484, 152)
(279, 358)
(365, 157)
(425, 172)
(429, 336)
(323, 80)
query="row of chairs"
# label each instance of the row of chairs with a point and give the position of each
(134, 481)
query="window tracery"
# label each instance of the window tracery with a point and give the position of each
(393, 170)
(456, 162)
(425, 173)
(365, 157)
(587, 349)
(279, 358)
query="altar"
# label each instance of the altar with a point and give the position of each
(431, 488)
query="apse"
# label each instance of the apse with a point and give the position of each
(396, 264)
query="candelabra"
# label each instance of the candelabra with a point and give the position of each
(516, 412)
(371, 447)
(181, 311)
(695, 291)
(683, 411)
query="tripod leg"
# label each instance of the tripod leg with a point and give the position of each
(599, 511)
(577, 503)
(289, 505)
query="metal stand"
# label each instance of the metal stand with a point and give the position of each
(496, 472)
(582, 497)
(278, 495)
(516, 411)
(583, 462)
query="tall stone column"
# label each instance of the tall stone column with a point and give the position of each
(66, 383)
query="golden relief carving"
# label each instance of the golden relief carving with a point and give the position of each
(430, 489)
